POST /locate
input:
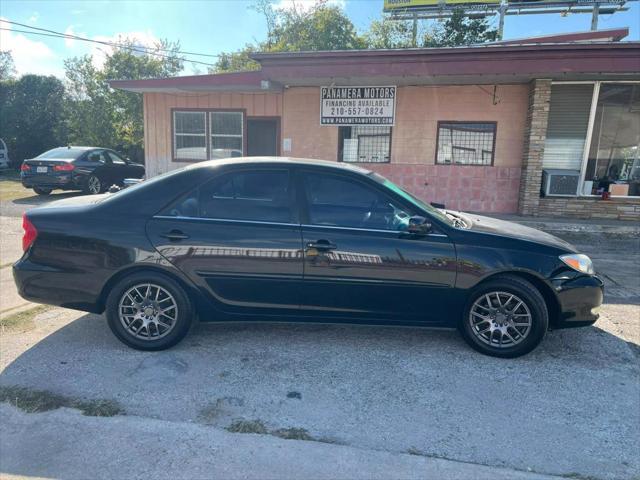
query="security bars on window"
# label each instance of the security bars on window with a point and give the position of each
(466, 143)
(365, 144)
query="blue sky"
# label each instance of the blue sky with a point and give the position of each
(206, 26)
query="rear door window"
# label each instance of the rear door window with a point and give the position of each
(258, 195)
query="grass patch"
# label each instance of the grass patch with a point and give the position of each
(247, 426)
(22, 320)
(293, 434)
(11, 188)
(36, 401)
(415, 451)
(256, 426)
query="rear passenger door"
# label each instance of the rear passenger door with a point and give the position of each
(237, 237)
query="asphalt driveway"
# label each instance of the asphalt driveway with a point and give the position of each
(399, 396)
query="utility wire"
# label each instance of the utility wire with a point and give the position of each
(83, 38)
(135, 48)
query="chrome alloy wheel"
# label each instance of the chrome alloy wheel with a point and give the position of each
(148, 311)
(93, 185)
(500, 319)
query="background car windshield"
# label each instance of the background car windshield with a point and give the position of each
(415, 201)
(62, 153)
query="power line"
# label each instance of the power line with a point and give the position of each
(135, 48)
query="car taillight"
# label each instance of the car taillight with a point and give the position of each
(25, 168)
(65, 167)
(30, 233)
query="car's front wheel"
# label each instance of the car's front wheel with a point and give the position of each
(505, 317)
(149, 311)
(42, 191)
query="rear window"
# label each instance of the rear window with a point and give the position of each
(63, 153)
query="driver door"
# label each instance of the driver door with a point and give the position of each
(360, 261)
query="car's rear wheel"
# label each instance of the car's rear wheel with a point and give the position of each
(149, 311)
(93, 185)
(505, 317)
(42, 191)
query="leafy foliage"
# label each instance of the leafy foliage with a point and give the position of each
(99, 115)
(32, 113)
(326, 27)
(7, 67)
(321, 27)
(459, 30)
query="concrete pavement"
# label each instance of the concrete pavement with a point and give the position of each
(570, 408)
(65, 444)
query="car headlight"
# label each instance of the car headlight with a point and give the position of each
(579, 262)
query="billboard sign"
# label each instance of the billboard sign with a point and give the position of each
(391, 5)
(358, 105)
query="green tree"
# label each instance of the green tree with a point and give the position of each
(321, 27)
(31, 115)
(387, 33)
(99, 115)
(237, 61)
(7, 67)
(459, 30)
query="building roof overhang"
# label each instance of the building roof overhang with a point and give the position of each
(481, 64)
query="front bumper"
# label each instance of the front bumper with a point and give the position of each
(580, 298)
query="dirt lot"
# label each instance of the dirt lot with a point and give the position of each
(265, 399)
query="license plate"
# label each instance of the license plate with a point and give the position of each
(41, 169)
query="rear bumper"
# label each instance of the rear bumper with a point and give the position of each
(66, 181)
(43, 284)
(580, 300)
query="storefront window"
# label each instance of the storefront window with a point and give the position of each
(190, 139)
(366, 144)
(466, 143)
(613, 163)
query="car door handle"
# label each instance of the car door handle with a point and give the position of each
(174, 235)
(322, 245)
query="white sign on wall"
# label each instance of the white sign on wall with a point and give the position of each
(357, 105)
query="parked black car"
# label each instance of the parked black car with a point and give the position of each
(281, 239)
(91, 169)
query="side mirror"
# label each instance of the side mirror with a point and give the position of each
(419, 225)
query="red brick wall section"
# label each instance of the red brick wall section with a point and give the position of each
(459, 187)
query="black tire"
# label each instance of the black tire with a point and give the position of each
(42, 191)
(94, 185)
(533, 301)
(184, 316)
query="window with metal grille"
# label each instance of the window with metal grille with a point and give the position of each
(364, 144)
(466, 143)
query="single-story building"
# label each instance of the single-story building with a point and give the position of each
(544, 126)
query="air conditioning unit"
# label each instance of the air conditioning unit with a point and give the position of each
(560, 183)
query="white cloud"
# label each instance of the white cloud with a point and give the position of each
(34, 17)
(29, 56)
(100, 52)
(305, 5)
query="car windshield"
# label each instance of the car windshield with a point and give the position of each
(63, 153)
(414, 200)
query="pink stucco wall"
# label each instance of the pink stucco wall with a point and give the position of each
(413, 145)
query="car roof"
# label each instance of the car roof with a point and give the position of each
(306, 162)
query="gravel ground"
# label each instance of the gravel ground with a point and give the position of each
(570, 408)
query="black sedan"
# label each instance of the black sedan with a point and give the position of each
(299, 240)
(90, 169)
